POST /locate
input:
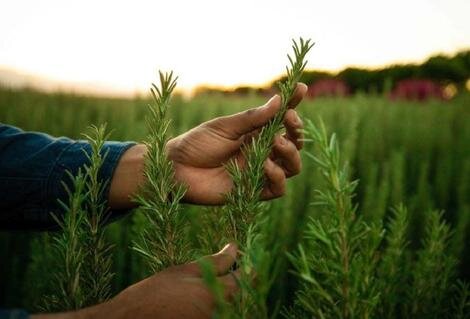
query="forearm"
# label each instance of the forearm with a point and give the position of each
(94, 312)
(127, 178)
(62, 315)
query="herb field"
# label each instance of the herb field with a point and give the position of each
(401, 253)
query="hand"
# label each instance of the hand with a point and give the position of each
(199, 155)
(176, 292)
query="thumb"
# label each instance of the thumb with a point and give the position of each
(224, 259)
(221, 261)
(247, 121)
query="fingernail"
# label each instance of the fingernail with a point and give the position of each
(296, 119)
(271, 100)
(224, 249)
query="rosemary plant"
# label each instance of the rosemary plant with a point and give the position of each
(68, 251)
(247, 223)
(98, 261)
(433, 272)
(82, 255)
(344, 271)
(336, 264)
(161, 242)
(460, 304)
(392, 266)
(243, 203)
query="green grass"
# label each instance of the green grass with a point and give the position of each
(411, 153)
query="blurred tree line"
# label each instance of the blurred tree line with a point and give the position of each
(440, 68)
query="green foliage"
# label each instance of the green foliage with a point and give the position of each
(69, 251)
(460, 304)
(243, 203)
(98, 262)
(162, 243)
(81, 254)
(338, 259)
(392, 269)
(432, 273)
(347, 271)
(418, 154)
(247, 221)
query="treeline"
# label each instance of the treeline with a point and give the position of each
(440, 68)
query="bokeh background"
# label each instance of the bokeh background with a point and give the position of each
(392, 79)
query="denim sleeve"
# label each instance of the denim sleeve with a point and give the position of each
(32, 168)
(13, 314)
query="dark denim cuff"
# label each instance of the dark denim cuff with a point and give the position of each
(33, 168)
(72, 158)
(14, 314)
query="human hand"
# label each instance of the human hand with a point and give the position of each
(176, 292)
(200, 154)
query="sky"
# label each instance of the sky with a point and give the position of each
(120, 45)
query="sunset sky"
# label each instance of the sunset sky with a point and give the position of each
(121, 44)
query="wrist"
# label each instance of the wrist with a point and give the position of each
(127, 177)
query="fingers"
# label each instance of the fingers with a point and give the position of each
(275, 181)
(222, 261)
(231, 283)
(294, 126)
(235, 126)
(287, 156)
(299, 94)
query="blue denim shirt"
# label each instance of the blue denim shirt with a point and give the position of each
(14, 314)
(32, 168)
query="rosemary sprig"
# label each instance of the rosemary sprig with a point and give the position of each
(243, 202)
(98, 274)
(246, 222)
(161, 242)
(80, 250)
